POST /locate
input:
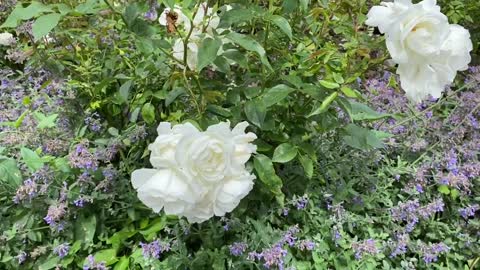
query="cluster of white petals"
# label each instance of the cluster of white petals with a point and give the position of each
(6, 39)
(197, 174)
(428, 50)
(204, 23)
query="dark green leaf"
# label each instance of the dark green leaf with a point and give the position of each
(85, 229)
(125, 90)
(282, 23)
(307, 164)
(276, 94)
(264, 168)
(255, 110)
(207, 52)
(250, 44)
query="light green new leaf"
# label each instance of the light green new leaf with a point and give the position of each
(307, 164)
(255, 110)
(282, 23)
(276, 94)
(284, 153)
(325, 104)
(122, 264)
(22, 14)
(31, 159)
(45, 121)
(44, 24)
(328, 84)
(207, 52)
(9, 172)
(250, 44)
(148, 113)
(361, 138)
(109, 256)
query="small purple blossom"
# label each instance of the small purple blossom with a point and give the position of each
(62, 250)
(431, 252)
(301, 203)
(238, 248)
(21, 257)
(468, 211)
(306, 245)
(92, 265)
(82, 158)
(154, 249)
(364, 247)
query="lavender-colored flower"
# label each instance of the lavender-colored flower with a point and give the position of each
(93, 265)
(301, 203)
(62, 250)
(238, 248)
(82, 158)
(364, 247)
(21, 257)
(285, 211)
(400, 246)
(273, 257)
(151, 14)
(154, 249)
(54, 215)
(93, 122)
(431, 252)
(306, 245)
(289, 237)
(468, 211)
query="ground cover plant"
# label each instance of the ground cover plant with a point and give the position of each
(280, 134)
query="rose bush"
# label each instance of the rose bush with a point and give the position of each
(239, 134)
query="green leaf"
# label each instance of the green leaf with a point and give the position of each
(45, 121)
(226, 113)
(9, 172)
(255, 110)
(124, 90)
(329, 85)
(174, 94)
(44, 24)
(148, 113)
(207, 52)
(276, 94)
(349, 92)
(49, 263)
(85, 229)
(444, 189)
(325, 104)
(282, 23)
(89, 7)
(157, 225)
(109, 256)
(236, 16)
(363, 112)
(266, 173)
(31, 159)
(130, 14)
(22, 14)
(361, 138)
(284, 153)
(307, 164)
(250, 44)
(122, 264)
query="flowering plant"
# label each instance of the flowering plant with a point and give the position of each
(239, 134)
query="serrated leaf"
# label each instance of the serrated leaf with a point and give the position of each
(148, 113)
(307, 164)
(255, 110)
(249, 44)
(207, 52)
(266, 172)
(282, 23)
(31, 159)
(45, 121)
(9, 172)
(284, 153)
(44, 24)
(276, 94)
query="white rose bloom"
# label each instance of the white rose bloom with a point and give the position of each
(165, 188)
(427, 48)
(197, 174)
(192, 53)
(6, 39)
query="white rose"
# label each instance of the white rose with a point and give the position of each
(192, 53)
(427, 48)
(6, 39)
(165, 188)
(218, 152)
(197, 174)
